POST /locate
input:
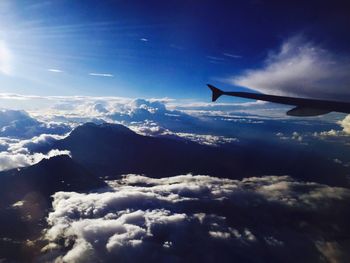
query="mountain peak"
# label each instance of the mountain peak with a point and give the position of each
(104, 129)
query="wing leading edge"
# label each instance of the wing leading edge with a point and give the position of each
(304, 107)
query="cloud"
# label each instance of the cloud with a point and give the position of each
(144, 39)
(330, 133)
(205, 139)
(101, 74)
(30, 145)
(300, 68)
(55, 70)
(18, 148)
(215, 58)
(232, 55)
(345, 123)
(6, 59)
(10, 160)
(19, 124)
(141, 110)
(177, 218)
(198, 121)
(149, 128)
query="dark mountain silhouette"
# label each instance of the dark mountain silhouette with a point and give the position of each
(59, 173)
(112, 149)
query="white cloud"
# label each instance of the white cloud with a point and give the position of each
(179, 217)
(6, 59)
(345, 123)
(232, 55)
(300, 68)
(149, 128)
(144, 39)
(9, 160)
(202, 122)
(215, 58)
(16, 153)
(204, 139)
(330, 133)
(55, 70)
(19, 124)
(28, 145)
(82, 106)
(101, 74)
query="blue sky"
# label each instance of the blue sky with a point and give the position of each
(154, 48)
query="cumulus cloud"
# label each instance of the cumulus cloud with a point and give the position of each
(148, 117)
(197, 121)
(200, 218)
(16, 153)
(330, 133)
(22, 136)
(30, 145)
(300, 68)
(345, 123)
(177, 116)
(19, 124)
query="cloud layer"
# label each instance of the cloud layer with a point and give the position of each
(21, 135)
(200, 218)
(20, 125)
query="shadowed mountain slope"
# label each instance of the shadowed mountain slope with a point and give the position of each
(58, 173)
(112, 149)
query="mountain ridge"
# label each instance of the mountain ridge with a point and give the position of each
(112, 150)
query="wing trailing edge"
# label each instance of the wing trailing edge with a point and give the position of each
(303, 106)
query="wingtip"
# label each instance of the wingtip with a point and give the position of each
(216, 93)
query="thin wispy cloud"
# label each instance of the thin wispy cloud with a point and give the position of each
(144, 39)
(6, 59)
(232, 55)
(55, 70)
(101, 74)
(215, 58)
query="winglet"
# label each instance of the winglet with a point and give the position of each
(216, 92)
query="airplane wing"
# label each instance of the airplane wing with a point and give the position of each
(304, 107)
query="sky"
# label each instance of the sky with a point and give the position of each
(157, 49)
